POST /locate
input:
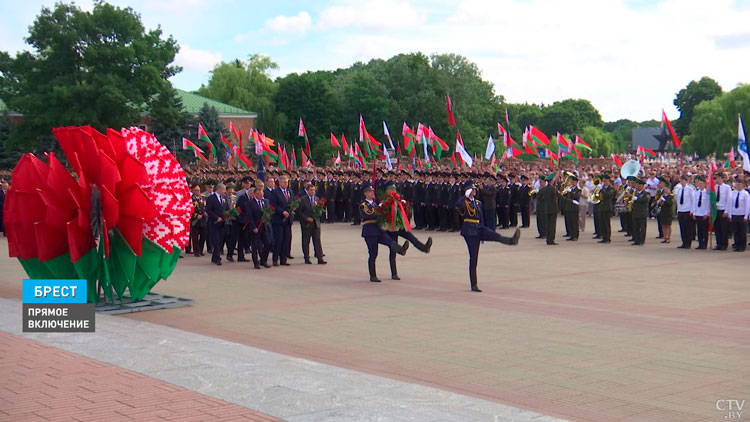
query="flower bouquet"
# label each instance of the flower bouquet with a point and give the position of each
(294, 205)
(231, 214)
(267, 213)
(394, 213)
(319, 208)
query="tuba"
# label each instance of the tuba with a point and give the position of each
(630, 168)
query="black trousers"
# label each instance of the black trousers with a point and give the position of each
(605, 224)
(490, 219)
(540, 223)
(198, 234)
(282, 241)
(261, 246)
(473, 242)
(455, 225)
(503, 216)
(311, 231)
(701, 228)
(687, 227)
(550, 226)
(346, 208)
(597, 218)
(419, 219)
(571, 223)
(372, 244)
(354, 210)
(525, 215)
(639, 230)
(331, 211)
(513, 214)
(430, 216)
(722, 227)
(216, 234)
(443, 217)
(739, 230)
(237, 240)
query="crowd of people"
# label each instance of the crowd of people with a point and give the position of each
(267, 204)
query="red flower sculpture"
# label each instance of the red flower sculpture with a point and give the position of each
(126, 190)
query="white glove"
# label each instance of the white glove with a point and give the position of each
(575, 202)
(468, 192)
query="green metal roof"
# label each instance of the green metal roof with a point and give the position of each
(194, 102)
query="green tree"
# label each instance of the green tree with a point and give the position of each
(248, 85)
(8, 157)
(98, 68)
(601, 142)
(713, 128)
(569, 116)
(689, 97)
(170, 121)
(310, 97)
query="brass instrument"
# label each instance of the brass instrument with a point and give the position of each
(628, 199)
(596, 196)
(533, 192)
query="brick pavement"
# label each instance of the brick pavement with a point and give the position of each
(43, 383)
(580, 331)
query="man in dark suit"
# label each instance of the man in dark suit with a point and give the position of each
(242, 223)
(525, 201)
(281, 221)
(310, 224)
(258, 231)
(216, 207)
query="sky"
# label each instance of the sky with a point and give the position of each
(628, 57)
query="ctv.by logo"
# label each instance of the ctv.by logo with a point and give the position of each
(732, 407)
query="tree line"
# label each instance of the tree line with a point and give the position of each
(103, 68)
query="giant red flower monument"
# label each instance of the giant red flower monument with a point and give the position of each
(119, 220)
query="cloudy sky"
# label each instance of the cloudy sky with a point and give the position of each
(629, 57)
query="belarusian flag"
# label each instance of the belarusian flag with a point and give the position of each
(337, 160)
(197, 152)
(563, 144)
(237, 134)
(581, 144)
(409, 137)
(675, 140)
(203, 136)
(334, 141)
(538, 136)
(528, 146)
(302, 132)
(438, 145)
(647, 151)
(449, 107)
(617, 160)
(344, 145)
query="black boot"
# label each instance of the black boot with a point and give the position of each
(373, 277)
(473, 280)
(511, 240)
(424, 247)
(401, 250)
(394, 270)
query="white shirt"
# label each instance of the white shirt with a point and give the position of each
(723, 194)
(702, 205)
(739, 204)
(685, 197)
(651, 185)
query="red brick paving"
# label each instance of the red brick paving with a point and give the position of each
(41, 382)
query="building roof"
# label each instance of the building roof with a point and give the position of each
(193, 103)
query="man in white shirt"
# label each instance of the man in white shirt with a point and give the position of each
(701, 211)
(722, 224)
(684, 195)
(652, 185)
(739, 212)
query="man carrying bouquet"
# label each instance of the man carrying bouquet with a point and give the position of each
(368, 211)
(308, 213)
(396, 222)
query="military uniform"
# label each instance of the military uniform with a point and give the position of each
(570, 204)
(374, 235)
(474, 231)
(641, 199)
(198, 226)
(525, 202)
(547, 209)
(604, 211)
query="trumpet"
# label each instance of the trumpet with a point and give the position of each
(533, 192)
(596, 197)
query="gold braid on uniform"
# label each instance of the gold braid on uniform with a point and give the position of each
(468, 209)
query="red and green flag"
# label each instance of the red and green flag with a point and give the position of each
(190, 146)
(583, 145)
(409, 137)
(203, 136)
(334, 141)
(301, 131)
(675, 140)
(449, 107)
(538, 137)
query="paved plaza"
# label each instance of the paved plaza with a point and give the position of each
(579, 331)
